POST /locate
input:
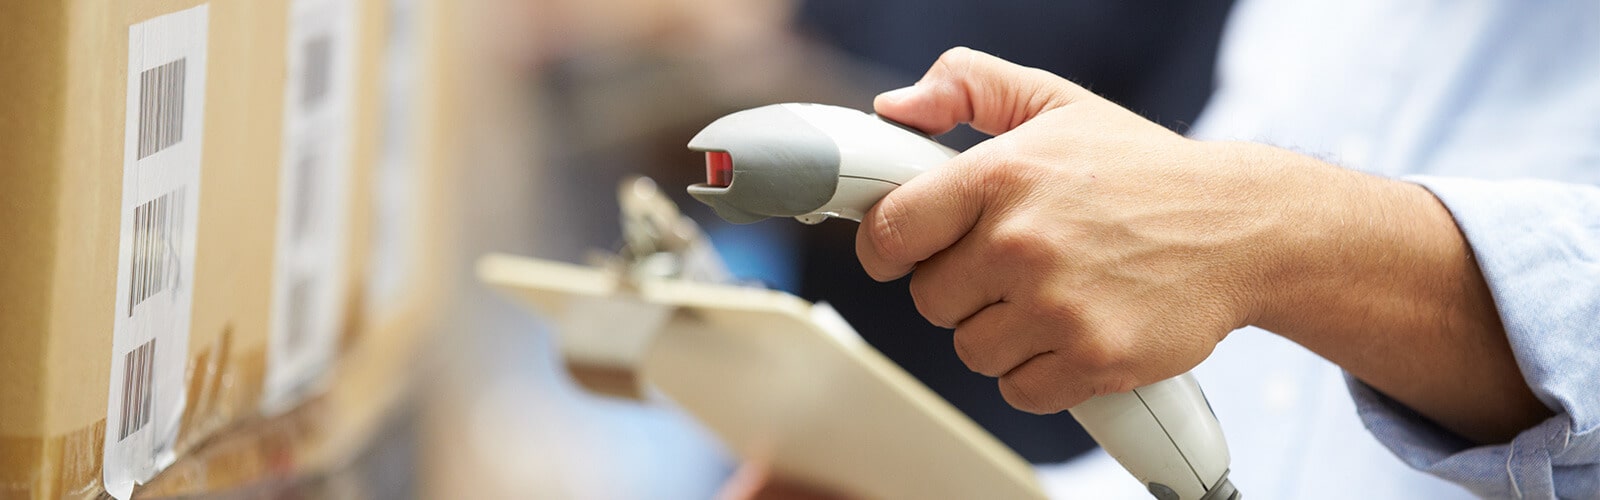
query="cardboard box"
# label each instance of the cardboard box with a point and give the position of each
(74, 260)
(71, 129)
(404, 139)
(234, 260)
(314, 438)
(414, 106)
(417, 54)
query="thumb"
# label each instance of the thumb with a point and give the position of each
(968, 86)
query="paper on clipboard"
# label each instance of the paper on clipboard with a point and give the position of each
(786, 382)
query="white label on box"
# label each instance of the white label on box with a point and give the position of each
(397, 179)
(309, 284)
(156, 244)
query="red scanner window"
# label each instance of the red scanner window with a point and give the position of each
(719, 168)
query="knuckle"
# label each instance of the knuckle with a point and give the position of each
(1096, 349)
(1062, 309)
(924, 293)
(1021, 395)
(1101, 356)
(955, 57)
(954, 67)
(969, 349)
(1018, 243)
(886, 233)
(1123, 382)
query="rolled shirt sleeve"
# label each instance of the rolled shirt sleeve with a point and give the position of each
(1538, 245)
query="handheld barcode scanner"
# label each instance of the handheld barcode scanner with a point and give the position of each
(813, 161)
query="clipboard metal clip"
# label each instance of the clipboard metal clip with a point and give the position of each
(605, 338)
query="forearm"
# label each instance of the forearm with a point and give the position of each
(1374, 275)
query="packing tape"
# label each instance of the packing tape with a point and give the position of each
(223, 390)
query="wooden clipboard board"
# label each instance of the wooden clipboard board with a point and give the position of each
(788, 383)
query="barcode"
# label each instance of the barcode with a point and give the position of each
(157, 231)
(161, 107)
(138, 369)
(298, 316)
(319, 62)
(305, 181)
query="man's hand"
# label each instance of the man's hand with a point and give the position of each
(1084, 250)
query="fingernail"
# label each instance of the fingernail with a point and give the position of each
(899, 94)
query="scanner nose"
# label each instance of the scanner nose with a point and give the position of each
(787, 166)
(719, 169)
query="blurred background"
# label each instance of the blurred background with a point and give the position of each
(568, 97)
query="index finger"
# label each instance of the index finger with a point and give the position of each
(920, 218)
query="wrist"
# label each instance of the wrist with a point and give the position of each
(1275, 193)
(1373, 275)
(1258, 194)
(1313, 236)
(1350, 251)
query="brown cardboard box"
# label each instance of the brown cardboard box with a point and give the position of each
(234, 259)
(62, 135)
(393, 199)
(416, 53)
(380, 351)
(367, 119)
(314, 438)
(62, 147)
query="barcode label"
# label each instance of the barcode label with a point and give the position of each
(157, 235)
(318, 65)
(397, 178)
(163, 129)
(161, 107)
(309, 283)
(138, 368)
(298, 317)
(301, 212)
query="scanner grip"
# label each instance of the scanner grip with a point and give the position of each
(1165, 434)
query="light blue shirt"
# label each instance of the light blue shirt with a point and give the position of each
(1477, 101)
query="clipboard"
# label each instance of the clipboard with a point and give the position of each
(778, 379)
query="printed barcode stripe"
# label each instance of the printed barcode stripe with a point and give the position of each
(305, 181)
(157, 233)
(161, 107)
(318, 64)
(298, 317)
(138, 371)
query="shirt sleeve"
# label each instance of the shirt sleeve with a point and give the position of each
(1538, 245)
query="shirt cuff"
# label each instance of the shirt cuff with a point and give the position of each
(1538, 245)
(1523, 468)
